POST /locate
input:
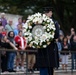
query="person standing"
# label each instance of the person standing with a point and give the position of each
(19, 22)
(64, 55)
(31, 59)
(1, 26)
(3, 19)
(3, 54)
(73, 33)
(21, 42)
(59, 45)
(6, 44)
(73, 48)
(45, 59)
(2, 29)
(9, 27)
(19, 27)
(11, 54)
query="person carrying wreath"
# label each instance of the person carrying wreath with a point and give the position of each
(45, 59)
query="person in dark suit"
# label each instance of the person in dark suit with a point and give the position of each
(45, 59)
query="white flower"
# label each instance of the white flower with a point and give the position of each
(36, 38)
(30, 34)
(40, 43)
(43, 38)
(33, 46)
(25, 34)
(50, 26)
(44, 15)
(40, 21)
(37, 14)
(30, 27)
(48, 20)
(28, 21)
(25, 25)
(48, 29)
(30, 17)
(24, 30)
(44, 46)
(36, 42)
(51, 36)
(47, 39)
(29, 38)
(37, 20)
(31, 42)
(45, 18)
(44, 27)
(51, 21)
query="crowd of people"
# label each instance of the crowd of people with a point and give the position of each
(65, 44)
(11, 37)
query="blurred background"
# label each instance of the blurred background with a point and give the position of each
(64, 10)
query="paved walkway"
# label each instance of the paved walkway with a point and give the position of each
(37, 73)
(65, 74)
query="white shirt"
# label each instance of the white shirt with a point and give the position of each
(22, 42)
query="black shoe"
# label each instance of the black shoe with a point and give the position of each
(11, 70)
(32, 70)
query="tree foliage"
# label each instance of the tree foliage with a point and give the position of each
(64, 10)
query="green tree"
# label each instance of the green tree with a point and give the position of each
(64, 10)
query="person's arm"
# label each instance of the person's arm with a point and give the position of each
(12, 45)
(25, 44)
(60, 47)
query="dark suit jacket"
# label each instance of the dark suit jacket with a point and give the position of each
(46, 56)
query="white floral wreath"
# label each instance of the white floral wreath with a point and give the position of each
(39, 30)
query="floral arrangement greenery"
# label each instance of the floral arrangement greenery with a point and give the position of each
(39, 30)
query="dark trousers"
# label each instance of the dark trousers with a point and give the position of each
(10, 62)
(73, 62)
(3, 63)
(46, 71)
